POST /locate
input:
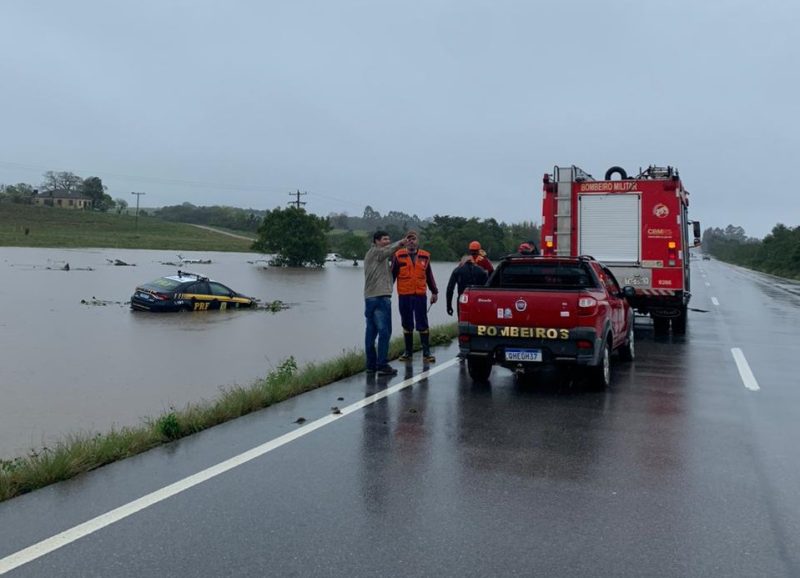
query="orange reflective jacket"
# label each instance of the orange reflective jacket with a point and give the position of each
(411, 275)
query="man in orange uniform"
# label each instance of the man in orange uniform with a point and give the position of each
(479, 257)
(411, 268)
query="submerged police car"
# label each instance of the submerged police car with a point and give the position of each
(187, 292)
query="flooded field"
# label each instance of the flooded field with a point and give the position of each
(67, 366)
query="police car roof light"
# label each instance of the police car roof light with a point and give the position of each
(188, 274)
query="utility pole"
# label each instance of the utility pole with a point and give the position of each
(137, 209)
(297, 203)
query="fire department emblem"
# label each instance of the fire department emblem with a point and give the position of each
(521, 305)
(661, 210)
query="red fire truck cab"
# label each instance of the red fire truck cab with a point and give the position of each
(637, 226)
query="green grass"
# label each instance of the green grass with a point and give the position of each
(81, 453)
(54, 227)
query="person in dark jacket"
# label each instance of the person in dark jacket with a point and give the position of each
(467, 274)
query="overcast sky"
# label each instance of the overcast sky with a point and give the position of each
(430, 107)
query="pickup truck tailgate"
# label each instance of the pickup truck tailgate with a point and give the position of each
(516, 308)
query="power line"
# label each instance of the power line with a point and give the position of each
(153, 180)
(179, 182)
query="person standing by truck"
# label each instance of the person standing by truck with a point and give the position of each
(467, 274)
(411, 268)
(378, 302)
(479, 257)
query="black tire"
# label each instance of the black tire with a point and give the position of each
(628, 351)
(479, 368)
(600, 374)
(619, 170)
(660, 325)
(679, 323)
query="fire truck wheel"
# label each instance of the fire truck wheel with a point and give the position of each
(601, 373)
(619, 170)
(660, 325)
(627, 352)
(479, 368)
(679, 323)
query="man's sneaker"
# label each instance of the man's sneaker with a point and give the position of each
(387, 370)
(429, 358)
(406, 356)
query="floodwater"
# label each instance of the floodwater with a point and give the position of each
(69, 367)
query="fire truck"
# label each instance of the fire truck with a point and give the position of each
(637, 226)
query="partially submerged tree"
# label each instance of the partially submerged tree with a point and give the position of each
(295, 237)
(353, 247)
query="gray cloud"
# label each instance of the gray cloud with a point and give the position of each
(431, 107)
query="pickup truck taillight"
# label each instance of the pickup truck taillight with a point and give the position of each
(587, 306)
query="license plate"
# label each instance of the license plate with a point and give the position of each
(523, 354)
(144, 296)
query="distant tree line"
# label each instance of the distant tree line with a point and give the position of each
(372, 220)
(444, 236)
(298, 238)
(56, 182)
(778, 253)
(246, 220)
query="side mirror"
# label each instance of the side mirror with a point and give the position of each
(628, 292)
(696, 231)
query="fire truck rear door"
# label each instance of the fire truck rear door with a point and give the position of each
(609, 227)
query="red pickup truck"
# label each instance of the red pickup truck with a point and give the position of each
(546, 310)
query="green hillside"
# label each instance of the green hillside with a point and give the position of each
(31, 226)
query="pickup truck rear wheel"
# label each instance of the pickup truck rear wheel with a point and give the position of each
(627, 352)
(601, 373)
(479, 368)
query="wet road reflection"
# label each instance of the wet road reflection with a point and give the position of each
(676, 470)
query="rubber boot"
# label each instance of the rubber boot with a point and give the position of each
(425, 339)
(408, 339)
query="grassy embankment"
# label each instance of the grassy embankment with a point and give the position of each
(53, 227)
(84, 452)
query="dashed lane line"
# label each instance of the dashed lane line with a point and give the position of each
(749, 380)
(714, 301)
(66, 537)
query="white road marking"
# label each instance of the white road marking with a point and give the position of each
(746, 374)
(48, 545)
(714, 301)
(708, 284)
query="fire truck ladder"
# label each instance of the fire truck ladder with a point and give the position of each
(564, 177)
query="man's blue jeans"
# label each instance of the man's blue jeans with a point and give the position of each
(378, 311)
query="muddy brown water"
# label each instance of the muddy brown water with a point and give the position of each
(68, 367)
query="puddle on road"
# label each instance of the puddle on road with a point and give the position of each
(69, 366)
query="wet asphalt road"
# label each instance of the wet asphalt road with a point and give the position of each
(682, 468)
